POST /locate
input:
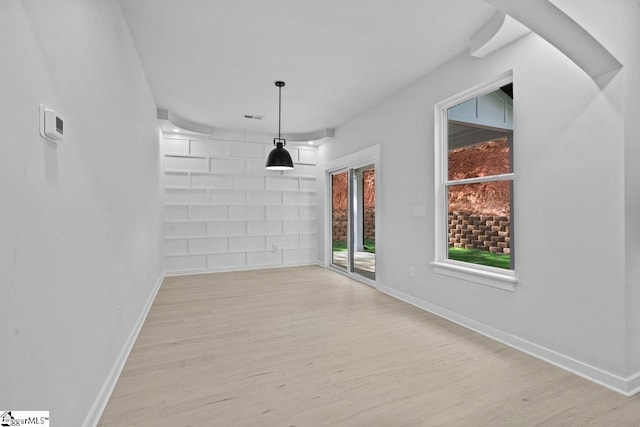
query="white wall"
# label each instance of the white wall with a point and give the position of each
(631, 19)
(81, 223)
(623, 44)
(225, 211)
(569, 153)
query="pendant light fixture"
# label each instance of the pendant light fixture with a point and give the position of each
(279, 159)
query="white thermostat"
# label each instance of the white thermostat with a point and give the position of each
(51, 125)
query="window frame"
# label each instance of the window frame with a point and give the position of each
(481, 274)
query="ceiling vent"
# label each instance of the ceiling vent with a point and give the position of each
(254, 116)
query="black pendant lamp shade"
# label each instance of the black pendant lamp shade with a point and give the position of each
(279, 158)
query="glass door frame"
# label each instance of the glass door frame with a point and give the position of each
(360, 159)
(349, 235)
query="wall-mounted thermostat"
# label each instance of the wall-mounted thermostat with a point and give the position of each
(51, 125)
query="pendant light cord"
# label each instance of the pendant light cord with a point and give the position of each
(279, 84)
(279, 108)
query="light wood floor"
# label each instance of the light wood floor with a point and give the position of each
(309, 347)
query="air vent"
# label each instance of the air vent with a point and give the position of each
(254, 116)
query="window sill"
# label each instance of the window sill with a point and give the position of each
(506, 281)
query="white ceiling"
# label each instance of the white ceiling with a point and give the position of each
(212, 61)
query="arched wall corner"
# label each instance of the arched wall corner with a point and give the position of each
(560, 30)
(499, 31)
(172, 119)
(169, 120)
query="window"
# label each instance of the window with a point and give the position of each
(474, 194)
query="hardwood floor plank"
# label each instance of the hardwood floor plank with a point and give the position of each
(309, 347)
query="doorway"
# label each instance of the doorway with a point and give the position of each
(353, 233)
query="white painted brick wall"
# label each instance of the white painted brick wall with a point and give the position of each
(226, 261)
(247, 244)
(189, 196)
(264, 197)
(176, 213)
(177, 180)
(282, 183)
(308, 212)
(301, 226)
(176, 246)
(299, 198)
(192, 164)
(284, 241)
(247, 150)
(225, 211)
(299, 256)
(248, 182)
(175, 146)
(204, 213)
(185, 263)
(246, 212)
(307, 184)
(210, 181)
(282, 212)
(228, 197)
(208, 148)
(209, 245)
(307, 156)
(302, 170)
(264, 228)
(227, 228)
(185, 229)
(308, 241)
(264, 258)
(230, 166)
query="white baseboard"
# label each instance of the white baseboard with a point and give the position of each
(625, 386)
(633, 384)
(238, 268)
(101, 401)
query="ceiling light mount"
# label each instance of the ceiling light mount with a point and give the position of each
(279, 158)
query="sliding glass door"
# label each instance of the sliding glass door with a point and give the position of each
(363, 220)
(353, 221)
(340, 219)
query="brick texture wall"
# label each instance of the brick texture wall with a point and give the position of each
(225, 211)
(370, 224)
(340, 225)
(339, 222)
(485, 232)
